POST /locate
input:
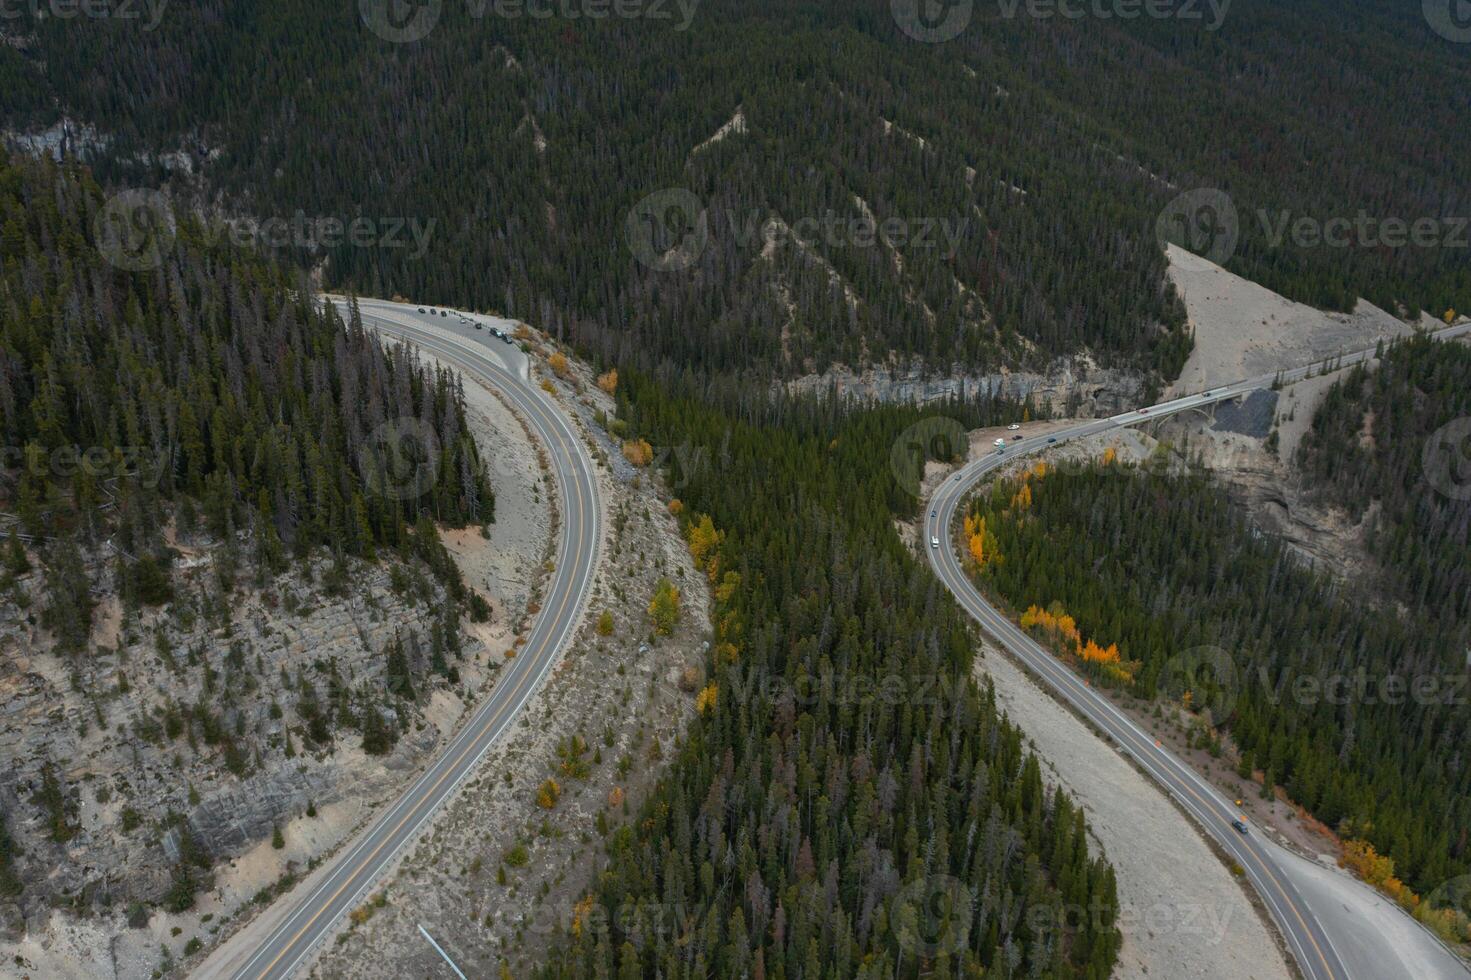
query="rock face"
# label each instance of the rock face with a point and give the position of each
(192, 719)
(1075, 388)
(1252, 416)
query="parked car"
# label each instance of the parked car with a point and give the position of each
(1013, 427)
(421, 309)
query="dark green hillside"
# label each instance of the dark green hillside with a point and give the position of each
(806, 828)
(1161, 566)
(1395, 439)
(1077, 134)
(205, 388)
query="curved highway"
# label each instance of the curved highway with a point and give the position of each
(1311, 939)
(355, 870)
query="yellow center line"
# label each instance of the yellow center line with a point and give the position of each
(521, 685)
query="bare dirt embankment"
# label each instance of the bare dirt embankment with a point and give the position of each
(1243, 330)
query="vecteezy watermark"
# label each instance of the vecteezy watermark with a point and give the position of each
(637, 921)
(932, 21)
(405, 21)
(1451, 19)
(1359, 687)
(147, 12)
(668, 230)
(401, 21)
(1206, 923)
(135, 230)
(1203, 221)
(1446, 459)
(846, 690)
(848, 231)
(144, 464)
(936, 21)
(1205, 676)
(1212, 13)
(1364, 230)
(936, 437)
(1453, 896)
(932, 915)
(400, 459)
(321, 232)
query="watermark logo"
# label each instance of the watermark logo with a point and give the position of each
(1451, 19)
(937, 437)
(148, 12)
(1203, 221)
(1179, 10)
(135, 230)
(668, 230)
(1447, 459)
(1454, 895)
(932, 21)
(1364, 231)
(1360, 687)
(401, 21)
(932, 915)
(1201, 677)
(834, 230)
(324, 232)
(807, 691)
(144, 464)
(400, 459)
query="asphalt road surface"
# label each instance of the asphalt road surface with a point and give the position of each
(1315, 932)
(477, 353)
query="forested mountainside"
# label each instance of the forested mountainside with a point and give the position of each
(206, 478)
(213, 377)
(1045, 148)
(1182, 595)
(1396, 441)
(848, 802)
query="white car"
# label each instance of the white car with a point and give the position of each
(999, 443)
(934, 541)
(1013, 427)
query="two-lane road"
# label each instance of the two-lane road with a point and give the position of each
(1310, 937)
(350, 876)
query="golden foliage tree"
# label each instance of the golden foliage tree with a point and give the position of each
(638, 452)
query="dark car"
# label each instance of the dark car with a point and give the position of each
(421, 309)
(1051, 440)
(1240, 825)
